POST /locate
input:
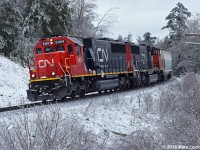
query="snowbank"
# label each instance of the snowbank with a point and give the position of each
(108, 117)
(13, 83)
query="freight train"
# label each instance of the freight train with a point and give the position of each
(69, 67)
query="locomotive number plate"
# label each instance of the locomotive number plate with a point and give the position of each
(45, 43)
(59, 41)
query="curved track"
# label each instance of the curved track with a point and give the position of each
(91, 95)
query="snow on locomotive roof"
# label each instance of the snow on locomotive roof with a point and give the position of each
(75, 40)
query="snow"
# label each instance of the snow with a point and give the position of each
(116, 113)
(13, 83)
(119, 113)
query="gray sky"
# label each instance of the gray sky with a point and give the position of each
(140, 16)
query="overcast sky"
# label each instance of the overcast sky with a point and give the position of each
(140, 16)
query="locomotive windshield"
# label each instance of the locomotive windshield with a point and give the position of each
(60, 48)
(48, 50)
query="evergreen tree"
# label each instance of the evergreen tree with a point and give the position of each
(10, 19)
(47, 17)
(148, 40)
(177, 21)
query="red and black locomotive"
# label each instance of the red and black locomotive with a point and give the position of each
(68, 66)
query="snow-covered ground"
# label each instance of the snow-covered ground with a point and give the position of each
(119, 114)
(112, 115)
(13, 83)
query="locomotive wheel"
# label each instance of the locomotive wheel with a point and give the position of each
(64, 98)
(82, 93)
(44, 101)
(73, 95)
(162, 77)
(126, 86)
(35, 95)
(169, 75)
(120, 87)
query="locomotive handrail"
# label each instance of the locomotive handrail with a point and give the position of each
(67, 68)
(65, 74)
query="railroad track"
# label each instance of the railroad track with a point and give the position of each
(30, 105)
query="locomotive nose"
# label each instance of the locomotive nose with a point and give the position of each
(47, 67)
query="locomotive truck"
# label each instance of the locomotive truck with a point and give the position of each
(69, 67)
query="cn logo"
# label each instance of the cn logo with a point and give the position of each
(102, 54)
(43, 63)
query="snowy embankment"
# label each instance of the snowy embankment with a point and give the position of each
(120, 114)
(13, 83)
(109, 117)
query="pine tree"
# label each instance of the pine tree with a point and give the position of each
(48, 17)
(10, 19)
(177, 21)
(148, 40)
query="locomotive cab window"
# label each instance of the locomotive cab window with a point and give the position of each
(70, 49)
(38, 51)
(48, 50)
(60, 48)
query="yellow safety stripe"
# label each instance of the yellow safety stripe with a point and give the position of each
(108, 73)
(83, 75)
(45, 79)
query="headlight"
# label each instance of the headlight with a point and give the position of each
(53, 73)
(33, 75)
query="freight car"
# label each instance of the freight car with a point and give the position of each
(69, 67)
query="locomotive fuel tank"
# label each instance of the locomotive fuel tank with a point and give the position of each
(153, 78)
(105, 84)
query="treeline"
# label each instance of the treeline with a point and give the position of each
(184, 49)
(23, 22)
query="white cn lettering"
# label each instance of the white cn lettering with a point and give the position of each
(102, 54)
(43, 63)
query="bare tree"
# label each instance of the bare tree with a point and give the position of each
(138, 140)
(83, 16)
(148, 100)
(106, 21)
(180, 113)
(45, 130)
